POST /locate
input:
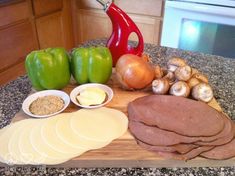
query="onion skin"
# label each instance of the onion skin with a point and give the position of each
(133, 72)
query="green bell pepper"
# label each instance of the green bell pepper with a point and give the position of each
(91, 65)
(48, 69)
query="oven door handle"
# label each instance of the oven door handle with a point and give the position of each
(202, 8)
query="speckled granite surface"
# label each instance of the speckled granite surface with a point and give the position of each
(221, 72)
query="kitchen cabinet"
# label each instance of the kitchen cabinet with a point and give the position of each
(17, 38)
(53, 23)
(50, 31)
(91, 22)
(31, 25)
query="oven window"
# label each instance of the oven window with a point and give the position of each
(207, 37)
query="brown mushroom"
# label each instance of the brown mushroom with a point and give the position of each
(158, 72)
(180, 88)
(200, 77)
(192, 82)
(202, 92)
(160, 86)
(183, 73)
(175, 62)
(170, 76)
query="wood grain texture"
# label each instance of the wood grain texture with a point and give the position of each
(92, 24)
(42, 7)
(88, 4)
(141, 7)
(124, 152)
(12, 73)
(16, 42)
(50, 30)
(55, 29)
(14, 13)
(149, 27)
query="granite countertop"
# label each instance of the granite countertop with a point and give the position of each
(221, 73)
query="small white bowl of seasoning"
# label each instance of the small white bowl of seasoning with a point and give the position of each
(91, 95)
(45, 103)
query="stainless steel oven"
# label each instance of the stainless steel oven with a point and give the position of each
(200, 25)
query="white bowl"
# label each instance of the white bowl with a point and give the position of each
(64, 96)
(78, 89)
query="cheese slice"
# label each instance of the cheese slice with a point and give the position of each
(6, 134)
(67, 135)
(1, 133)
(49, 136)
(13, 146)
(28, 154)
(33, 156)
(100, 125)
(41, 147)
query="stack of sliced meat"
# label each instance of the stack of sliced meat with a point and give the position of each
(180, 128)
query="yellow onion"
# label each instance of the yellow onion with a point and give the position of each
(134, 72)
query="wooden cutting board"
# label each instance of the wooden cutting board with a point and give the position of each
(124, 152)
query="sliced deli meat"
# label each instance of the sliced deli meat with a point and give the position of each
(179, 128)
(222, 152)
(180, 115)
(180, 148)
(156, 136)
(223, 137)
(186, 156)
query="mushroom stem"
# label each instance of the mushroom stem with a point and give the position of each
(170, 76)
(200, 77)
(192, 82)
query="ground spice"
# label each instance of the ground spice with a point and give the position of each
(46, 105)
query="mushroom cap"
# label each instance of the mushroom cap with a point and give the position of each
(183, 73)
(180, 88)
(175, 62)
(160, 86)
(202, 92)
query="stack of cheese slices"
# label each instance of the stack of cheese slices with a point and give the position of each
(60, 138)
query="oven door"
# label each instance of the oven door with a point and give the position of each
(199, 27)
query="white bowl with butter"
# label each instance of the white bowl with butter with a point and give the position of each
(91, 95)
